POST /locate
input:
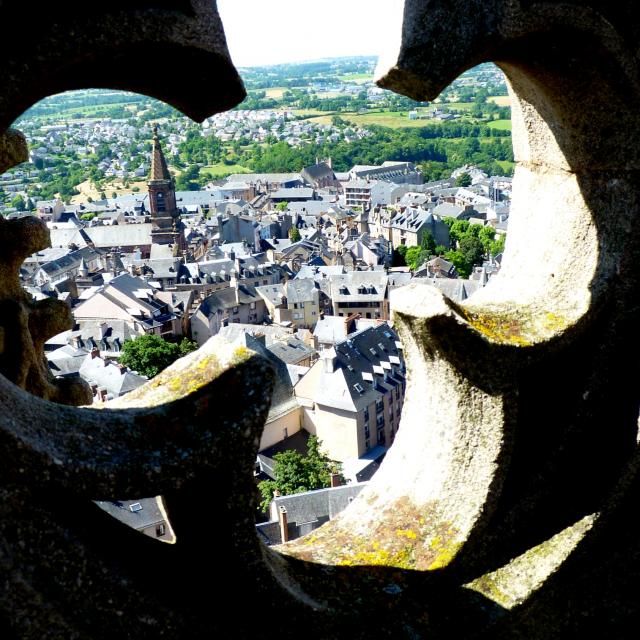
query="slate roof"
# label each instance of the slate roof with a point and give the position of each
(319, 272)
(354, 384)
(448, 210)
(264, 177)
(70, 260)
(226, 299)
(306, 511)
(125, 235)
(271, 332)
(295, 192)
(283, 399)
(116, 380)
(159, 169)
(66, 360)
(330, 329)
(412, 219)
(66, 237)
(359, 285)
(127, 511)
(291, 350)
(294, 290)
(455, 289)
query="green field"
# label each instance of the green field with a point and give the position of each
(324, 119)
(215, 171)
(309, 113)
(274, 92)
(391, 119)
(86, 111)
(458, 106)
(503, 125)
(506, 165)
(358, 78)
(501, 101)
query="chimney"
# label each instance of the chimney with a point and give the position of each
(284, 524)
(336, 480)
(329, 360)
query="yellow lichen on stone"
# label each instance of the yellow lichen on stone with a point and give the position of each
(514, 328)
(446, 552)
(514, 582)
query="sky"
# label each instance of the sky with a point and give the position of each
(265, 32)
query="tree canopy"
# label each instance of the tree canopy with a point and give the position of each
(295, 473)
(150, 354)
(464, 179)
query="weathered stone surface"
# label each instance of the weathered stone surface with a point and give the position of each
(504, 508)
(26, 324)
(13, 149)
(132, 45)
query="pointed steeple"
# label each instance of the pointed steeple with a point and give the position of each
(159, 170)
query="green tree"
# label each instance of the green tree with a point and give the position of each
(497, 246)
(458, 230)
(414, 257)
(472, 250)
(189, 179)
(295, 473)
(487, 236)
(150, 354)
(187, 346)
(428, 243)
(463, 180)
(282, 206)
(18, 202)
(398, 259)
(458, 261)
(294, 234)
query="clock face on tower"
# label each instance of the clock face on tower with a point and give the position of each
(160, 202)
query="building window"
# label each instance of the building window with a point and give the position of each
(160, 530)
(367, 445)
(366, 414)
(252, 305)
(160, 203)
(379, 406)
(235, 310)
(367, 433)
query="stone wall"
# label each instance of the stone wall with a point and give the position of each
(504, 508)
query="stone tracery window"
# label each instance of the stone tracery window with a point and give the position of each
(526, 482)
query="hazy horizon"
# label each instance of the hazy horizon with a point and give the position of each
(277, 32)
